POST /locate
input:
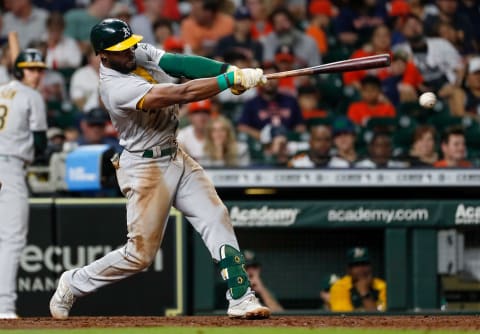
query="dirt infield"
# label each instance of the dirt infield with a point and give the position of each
(408, 322)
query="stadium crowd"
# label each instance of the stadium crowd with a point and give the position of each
(365, 119)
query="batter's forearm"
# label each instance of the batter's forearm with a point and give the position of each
(165, 95)
(191, 67)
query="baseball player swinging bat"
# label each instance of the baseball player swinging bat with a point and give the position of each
(356, 64)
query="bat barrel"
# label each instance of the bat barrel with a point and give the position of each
(355, 64)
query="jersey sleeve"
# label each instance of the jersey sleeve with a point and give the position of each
(152, 53)
(126, 93)
(340, 298)
(38, 114)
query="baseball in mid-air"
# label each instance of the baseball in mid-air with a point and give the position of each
(427, 100)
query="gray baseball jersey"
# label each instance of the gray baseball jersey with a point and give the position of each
(22, 110)
(151, 185)
(121, 94)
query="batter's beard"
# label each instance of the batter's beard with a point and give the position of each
(123, 68)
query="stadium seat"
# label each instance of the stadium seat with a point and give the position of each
(330, 86)
(442, 121)
(403, 136)
(472, 134)
(388, 124)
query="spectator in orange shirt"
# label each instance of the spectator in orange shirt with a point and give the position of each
(321, 11)
(285, 59)
(261, 26)
(380, 42)
(371, 104)
(205, 25)
(403, 80)
(453, 149)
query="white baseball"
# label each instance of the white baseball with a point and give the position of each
(427, 100)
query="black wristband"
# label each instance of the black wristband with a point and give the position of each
(224, 67)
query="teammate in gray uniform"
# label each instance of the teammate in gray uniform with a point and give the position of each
(23, 125)
(153, 173)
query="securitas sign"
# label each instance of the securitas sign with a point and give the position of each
(84, 168)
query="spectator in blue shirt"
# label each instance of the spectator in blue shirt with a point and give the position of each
(270, 107)
(93, 130)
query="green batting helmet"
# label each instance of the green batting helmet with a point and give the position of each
(113, 35)
(28, 58)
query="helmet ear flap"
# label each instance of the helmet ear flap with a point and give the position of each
(17, 73)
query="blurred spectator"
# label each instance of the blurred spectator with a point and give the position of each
(55, 6)
(380, 42)
(448, 13)
(309, 99)
(93, 130)
(397, 11)
(142, 23)
(318, 155)
(71, 138)
(380, 153)
(321, 12)
(436, 58)
(422, 8)
(327, 283)
(275, 146)
(285, 33)
(259, 11)
(422, 153)
(62, 51)
(254, 269)
(270, 107)
(453, 149)
(371, 105)
(359, 290)
(403, 79)
(56, 138)
(205, 25)
(241, 41)
(80, 21)
(471, 9)
(356, 21)
(465, 100)
(400, 80)
(163, 31)
(122, 11)
(192, 137)
(84, 83)
(53, 89)
(285, 60)
(27, 20)
(344, 138)
(221, 148)
(173, 44)
(5, 64)
(447, 31)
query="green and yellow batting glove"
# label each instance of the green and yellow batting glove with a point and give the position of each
(246, 78)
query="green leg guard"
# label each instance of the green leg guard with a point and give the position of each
(232, 266)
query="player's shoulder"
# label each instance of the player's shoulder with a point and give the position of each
(344, 282)
(21, 89)
(379, 283)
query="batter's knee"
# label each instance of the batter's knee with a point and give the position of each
(141, 255)
(221, 215)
